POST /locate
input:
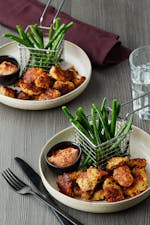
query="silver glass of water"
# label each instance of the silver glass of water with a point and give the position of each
(139, 61)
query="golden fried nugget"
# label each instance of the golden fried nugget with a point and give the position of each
(44, 81)
(137, 162)
(18, 82)
(122, 175)
(64, 87)
(83, 195)
(8, 92)
(140, 183)
(75, 174)
(57, 73)
(78, 80)
(23, 96)
(112, 191)
(86, 195)
(30, 89)
(51, 93)
(88, 180)
(77, 191)
(98, 195)
(116, 161)
(31, 74)
(72, 70)
(66, 183)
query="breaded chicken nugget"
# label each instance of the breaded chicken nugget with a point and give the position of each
(86, 195)
(30, 89)
(98, 195)
(18, 82)
(122, 175)
(83, 195)
(64, 87)
(8, 92)
(51, 93)
(140, 183)
(66, 183)
(116, 162)
(78, 80)
(31, 74)
(57, 73)
(112, 191)
(137, 162)
(88, 180)
(23, 96)
(77, 191)
(44, 81)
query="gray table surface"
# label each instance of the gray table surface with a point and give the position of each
(23, 133)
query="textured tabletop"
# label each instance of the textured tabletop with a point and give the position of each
(23, 133)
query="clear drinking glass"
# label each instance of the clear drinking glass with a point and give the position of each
(139, 61)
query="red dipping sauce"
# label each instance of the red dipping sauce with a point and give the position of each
(7, 68)
(64, 157)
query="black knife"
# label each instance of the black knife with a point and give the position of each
(37, 182)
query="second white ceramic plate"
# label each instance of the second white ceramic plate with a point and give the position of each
(139, 145)
(73, 55)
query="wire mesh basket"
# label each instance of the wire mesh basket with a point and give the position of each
(43, 58)
(98, 155)
(37, 57)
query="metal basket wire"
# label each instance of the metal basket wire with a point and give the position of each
(43, 58)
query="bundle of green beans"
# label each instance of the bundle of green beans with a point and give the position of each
(34, 41)
(101, 126)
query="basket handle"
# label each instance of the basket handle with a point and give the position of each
(131, 101)
(45, 9)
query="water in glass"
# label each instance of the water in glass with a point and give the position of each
(140, 81)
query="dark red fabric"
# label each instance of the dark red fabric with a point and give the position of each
(102, 47)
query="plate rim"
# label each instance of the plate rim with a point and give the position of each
(132, 200)
(77, 91)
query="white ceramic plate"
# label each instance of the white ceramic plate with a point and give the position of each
(73, 55)
(140, 142)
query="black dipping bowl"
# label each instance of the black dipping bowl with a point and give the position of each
(61, 146)
(13, 77)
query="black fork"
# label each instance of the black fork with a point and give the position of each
(20, 187)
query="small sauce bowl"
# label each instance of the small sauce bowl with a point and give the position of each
(60, 157)
(11, 77)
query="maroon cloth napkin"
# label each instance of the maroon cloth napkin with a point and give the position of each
(102, 47)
